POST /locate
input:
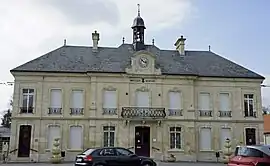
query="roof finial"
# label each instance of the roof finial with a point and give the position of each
(153, 42)
(209, 48)
(123, 40)
(65, 42)
(139, 11)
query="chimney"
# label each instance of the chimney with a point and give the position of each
(95, 38)
(180, 45)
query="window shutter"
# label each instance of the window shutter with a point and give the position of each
(224, 102)
(175, 100)
(204, 101)
(56, 98)
(109, 99)
(205, 139)
(142, 99)
(53, 132)
(75, 137)
(224, 134)
(77, 99)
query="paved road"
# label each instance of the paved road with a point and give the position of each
(159, 164)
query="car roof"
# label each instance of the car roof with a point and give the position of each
(263, 148)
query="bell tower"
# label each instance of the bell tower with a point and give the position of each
(138, 32)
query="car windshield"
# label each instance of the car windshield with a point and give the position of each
(248, 152)
(88, 151)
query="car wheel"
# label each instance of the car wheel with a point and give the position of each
(99, 165)
(147, 164)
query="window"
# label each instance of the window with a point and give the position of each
(175, 137)
(56, 101)
(108, 136)
(109, 102)
(175, 104)
(249, 152)
(28, 101)
(249, 105)
(77, 102)
(205, 139)
(224, 102)
(123, 152)
(224, 134)
(53, 132)
(75, 137)
(142, 99)
(204, 101)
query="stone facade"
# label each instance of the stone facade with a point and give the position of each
(126, 85)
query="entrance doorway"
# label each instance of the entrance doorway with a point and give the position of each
(142, 141)
(250, 136)
(24, 141)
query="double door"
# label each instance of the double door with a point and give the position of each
(142, 141)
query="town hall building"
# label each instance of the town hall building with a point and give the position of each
(154, 102)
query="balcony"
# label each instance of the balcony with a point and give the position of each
(109, 111)
(76, 111)
(175, 112)
(251, 114)
(26, 110)
(225, 114)
(55, 111)
(143, 112)
(205, 113)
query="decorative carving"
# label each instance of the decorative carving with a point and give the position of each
(175, 89)
(142, 89)
(109, 88)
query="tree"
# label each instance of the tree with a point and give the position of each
(266, 110)
(6, 120)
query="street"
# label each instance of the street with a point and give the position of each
(159, 164)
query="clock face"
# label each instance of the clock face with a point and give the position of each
(143, 61)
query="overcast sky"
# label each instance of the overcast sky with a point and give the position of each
(31, 28)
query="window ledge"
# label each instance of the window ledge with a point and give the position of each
(175, 150)
(206, 150)
(74, 150)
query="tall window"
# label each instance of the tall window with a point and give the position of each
(56, 101)
(204, 101)
(205, 139)
(142, 99)
(76, 137)
(53, 132)
(28, 101)
(175, 103)
(109, 102)
(175, 138)
(249, 105)
(224, 134)
(108, 136)
(77, 102)
(224, 102)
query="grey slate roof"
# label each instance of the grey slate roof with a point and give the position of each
(115, 60)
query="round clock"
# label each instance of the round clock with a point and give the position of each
(143, 61)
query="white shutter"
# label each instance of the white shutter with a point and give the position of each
(204, 101)
(56, 98)
(175, 100)
(109, 99)
(75, 137)
(142, 99)
(53, 132)
(224, 104)
(205, 139)
(224, 134)
(77, 99)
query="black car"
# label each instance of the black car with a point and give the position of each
(111, 156)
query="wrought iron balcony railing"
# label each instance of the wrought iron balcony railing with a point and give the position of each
(225, 113)
(143, 112)
(109, 111)
(26, 110)
(76, 111)
(55, 111)
(205, 113)
(250, 114)
(175, 112)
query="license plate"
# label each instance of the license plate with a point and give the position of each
(79, 160)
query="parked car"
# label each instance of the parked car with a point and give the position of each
(111, 156)
(253, 155)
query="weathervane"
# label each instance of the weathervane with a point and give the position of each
(139, 12)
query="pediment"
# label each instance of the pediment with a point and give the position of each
(143, 62)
